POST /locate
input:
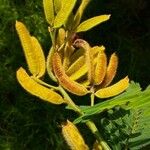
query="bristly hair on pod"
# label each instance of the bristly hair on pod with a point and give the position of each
(100, 68)
(80, 43)
(111, 70)
(64, 80)
(73, 137)
(36, 89)
(114, 89)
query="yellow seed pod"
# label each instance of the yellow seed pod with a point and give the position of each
(27, 47)
(96, 49)
(111, 70)
(64, 80)
(49, 64)
(82, 71)
(61, 36)
(40, 58)
(76, 65)
(34, 88)
(79, 43)
(78, 53)
(68, 50)
(79, 12)
(100, 68)
(113, 90)
(97, 146)
(73, 136)
(57, 5)
(49, 11)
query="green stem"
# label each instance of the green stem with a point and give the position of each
(97, 134)
(89, 123)
(43, 83)
(92, 96)
(69, 101)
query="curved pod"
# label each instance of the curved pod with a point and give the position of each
(64, 80)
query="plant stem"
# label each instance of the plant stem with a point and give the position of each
(69, 101)
(43, 83)
(89, 123)
(98, 136)
(92, 96)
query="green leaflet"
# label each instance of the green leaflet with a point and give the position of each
(92, 22)
(63, 14)
(49, 11)
(132, 98)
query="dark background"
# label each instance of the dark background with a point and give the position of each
(28, 123)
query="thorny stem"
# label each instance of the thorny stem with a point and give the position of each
(89, 123)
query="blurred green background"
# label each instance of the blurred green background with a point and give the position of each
(30, 124)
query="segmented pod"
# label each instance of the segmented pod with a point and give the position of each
(34, 88)
(79, 12)
(40, 58)
(61, 36)
(57, 5)
(100, 68)
(73, 136)
(27, 47)
(66, 60)
(90, 23)
(49, 64)
(76, 65)
(113, 90)
(64, 12)
(97, 146)
(78, 53)
(64, 80)
(111, 70)
(79, 43)
(49, 11)
(81, 71)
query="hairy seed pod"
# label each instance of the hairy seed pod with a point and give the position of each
(100, 68)
(34, 88)
(78, 53)
(81, 71)
(49, 11)
(49, 64)
(61, 36)
(79, 12)
(111, 70)
(64, 80)
(79, 43)
(76, 65)
(73, 136)
(97, 146)
(113, 90)
(27, 47)
(40, 58)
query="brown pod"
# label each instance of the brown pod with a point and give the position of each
(64, 80)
